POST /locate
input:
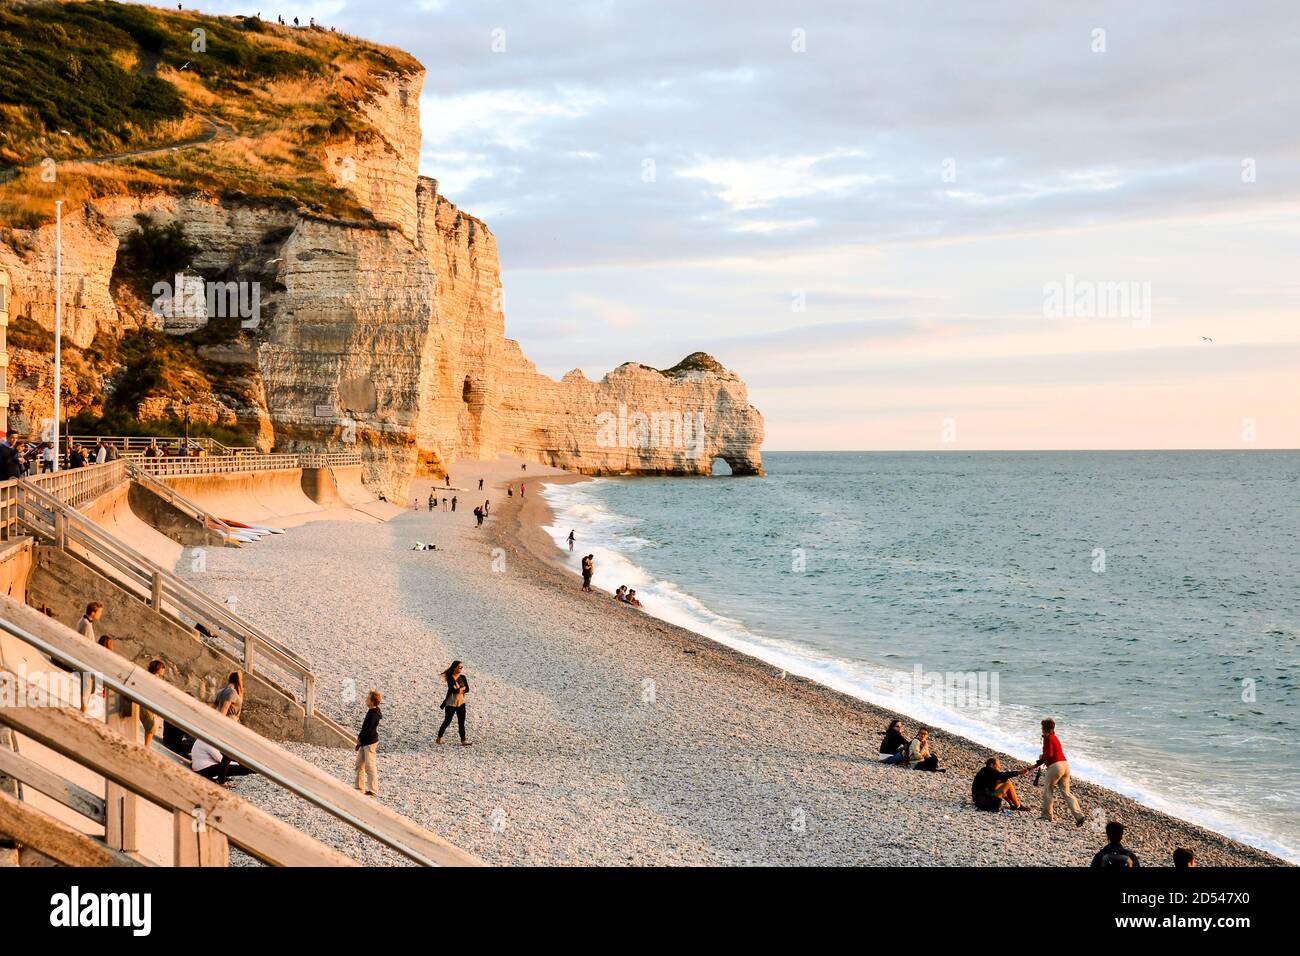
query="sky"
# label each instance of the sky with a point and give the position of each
(918, 225)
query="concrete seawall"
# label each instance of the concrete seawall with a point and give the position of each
(247, 496)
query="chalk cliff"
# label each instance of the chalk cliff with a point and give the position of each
(380, 331)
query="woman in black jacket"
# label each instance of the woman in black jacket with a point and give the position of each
(893, 746)
(454, 702)
(368, 746)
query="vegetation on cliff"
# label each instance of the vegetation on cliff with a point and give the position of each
(203, 102)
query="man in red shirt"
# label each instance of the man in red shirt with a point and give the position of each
(1058, 774)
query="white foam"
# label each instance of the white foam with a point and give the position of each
(606, 535)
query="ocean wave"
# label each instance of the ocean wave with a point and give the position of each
(607, 535)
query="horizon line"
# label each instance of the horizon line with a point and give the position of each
(1027, 451)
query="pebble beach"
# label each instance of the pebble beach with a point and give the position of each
(601, 735)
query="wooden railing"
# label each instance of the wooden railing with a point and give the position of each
(138, 445)
(76, 488)
(169, 467)
(329, 459)
(179, 501)
(80, 486)
(205, 816)
(47, 517)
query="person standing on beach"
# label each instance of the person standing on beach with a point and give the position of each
(571, 540)
(588, 569)
(521, 489)
(478, 517)
(432, 501)
(1058, 774)
(486, 510)
(510, 491)
(453, 502)
(368, 745)
(480, 484)
(454, 703)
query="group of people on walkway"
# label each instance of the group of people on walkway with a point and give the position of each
(20, 457)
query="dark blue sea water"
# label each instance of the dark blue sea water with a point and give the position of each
(1149, 601)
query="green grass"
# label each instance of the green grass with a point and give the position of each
(80, 80)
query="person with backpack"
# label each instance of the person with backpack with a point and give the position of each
(1058, 774)
(1114, 855)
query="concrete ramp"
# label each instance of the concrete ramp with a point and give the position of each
(112, 512)
(351, 489)
(341, 487)
(249, 496)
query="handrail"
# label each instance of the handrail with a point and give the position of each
(230, 737)
(167, 467)
(52, 519)
(329, 459)
(136, 444)
(75, 487)
(178, 501)
(80, 486)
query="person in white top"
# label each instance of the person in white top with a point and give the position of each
(207, 761)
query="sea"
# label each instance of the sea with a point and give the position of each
(1149, 602)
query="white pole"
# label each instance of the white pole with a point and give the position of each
(58, 323)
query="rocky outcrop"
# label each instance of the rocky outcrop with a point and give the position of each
(387, 335)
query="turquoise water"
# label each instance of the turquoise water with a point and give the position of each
(1169, 661)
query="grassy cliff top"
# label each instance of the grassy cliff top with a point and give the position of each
(250, 103)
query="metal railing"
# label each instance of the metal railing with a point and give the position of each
(167, 467)
(47, 517)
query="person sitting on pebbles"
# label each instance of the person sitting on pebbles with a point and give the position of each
(918, 753)
(893, 745)
(992, 785)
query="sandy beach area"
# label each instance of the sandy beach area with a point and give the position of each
(603, 735)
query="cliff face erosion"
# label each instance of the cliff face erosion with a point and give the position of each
(364, 317)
